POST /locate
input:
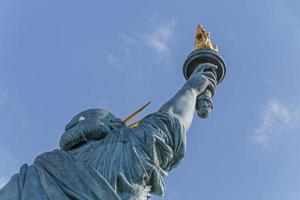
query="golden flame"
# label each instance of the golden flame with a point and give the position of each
(202, 39)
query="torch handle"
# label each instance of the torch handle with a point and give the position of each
(204, 101)
(204, 104)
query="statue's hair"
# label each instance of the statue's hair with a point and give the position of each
(85, 126)
(82, 133)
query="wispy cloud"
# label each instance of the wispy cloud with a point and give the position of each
(113, 61)
(155, 34)
(149, 45)
(276, 122)
(160, 37)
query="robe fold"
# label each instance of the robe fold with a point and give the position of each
(126, 164)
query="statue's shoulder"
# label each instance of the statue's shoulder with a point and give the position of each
(55, 154)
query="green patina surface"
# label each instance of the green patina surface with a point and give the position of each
(100, 158)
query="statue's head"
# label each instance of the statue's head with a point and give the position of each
(92, 124)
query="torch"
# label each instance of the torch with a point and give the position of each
(204, 53)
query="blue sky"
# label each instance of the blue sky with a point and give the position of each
(58, 58)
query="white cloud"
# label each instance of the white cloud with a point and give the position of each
(113, 61)
(277, 121)
(144, 48)
(160, 37)
(155, 35)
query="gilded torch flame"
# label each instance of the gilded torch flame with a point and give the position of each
(203, 39)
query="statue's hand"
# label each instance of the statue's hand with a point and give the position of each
(203, 77)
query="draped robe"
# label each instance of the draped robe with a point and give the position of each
(128, 163)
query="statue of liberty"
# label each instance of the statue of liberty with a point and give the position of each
(102, 158)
